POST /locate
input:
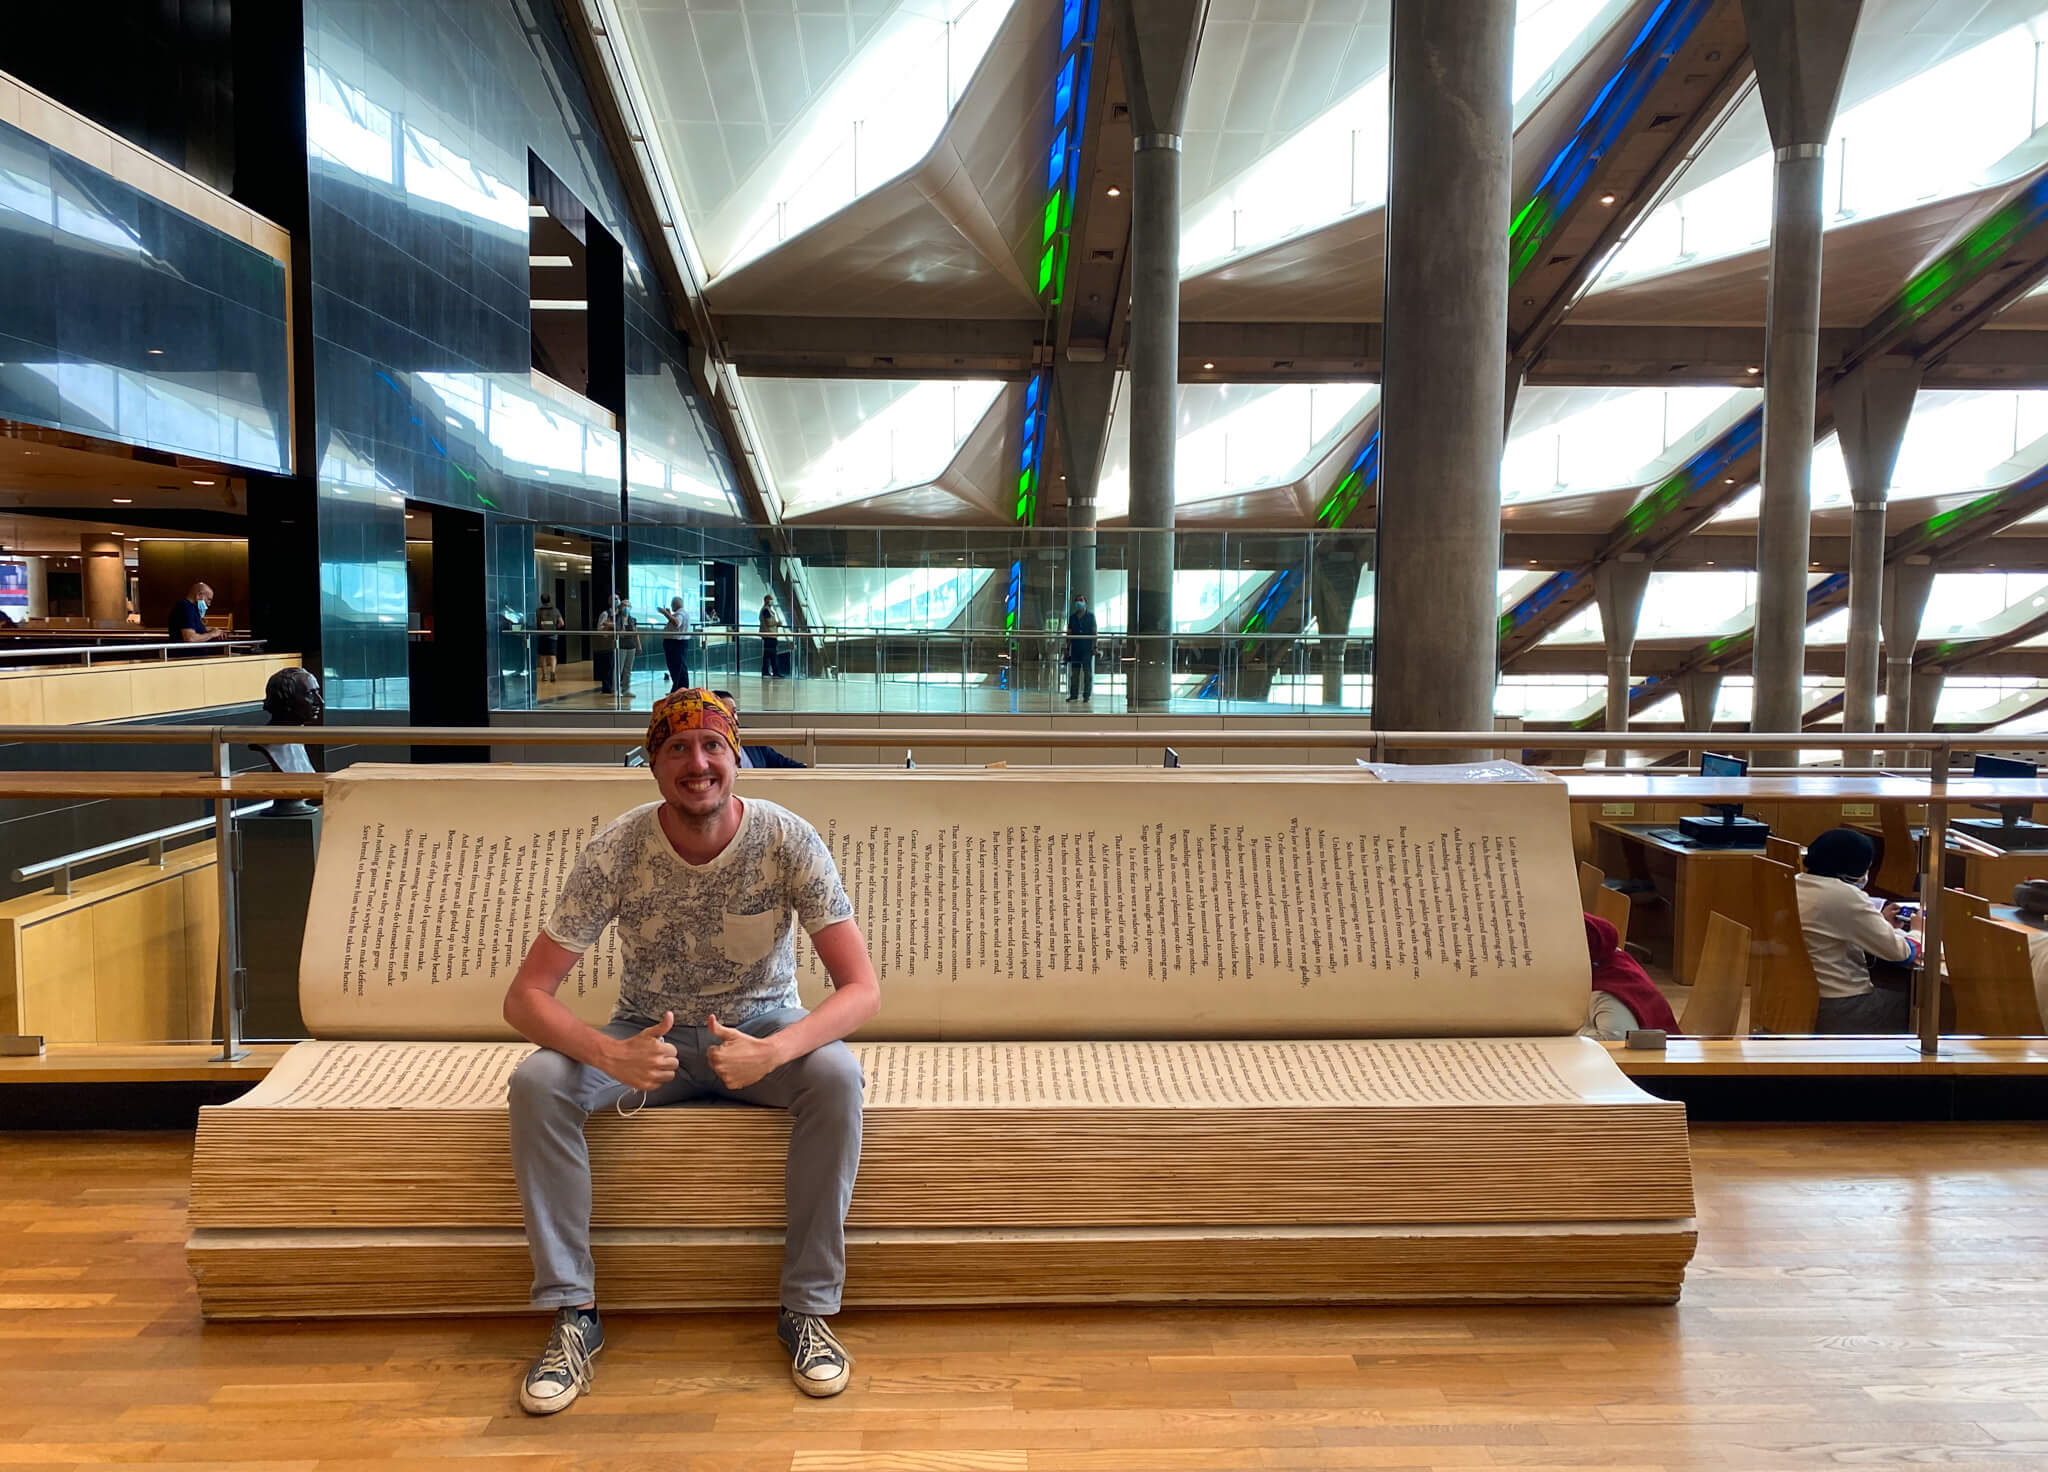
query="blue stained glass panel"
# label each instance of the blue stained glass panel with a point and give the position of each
(1056, 162)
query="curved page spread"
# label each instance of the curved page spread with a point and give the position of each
(1012, 904)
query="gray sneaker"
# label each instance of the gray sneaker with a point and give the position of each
(818, 1362)
(563, 1370)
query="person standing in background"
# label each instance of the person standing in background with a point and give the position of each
(771, 625)
(604, 650)
(188, 617)
(1080, 652)
(675, 644)
(549, 645)
(626, 640)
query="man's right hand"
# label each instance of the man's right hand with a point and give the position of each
(646, 1060)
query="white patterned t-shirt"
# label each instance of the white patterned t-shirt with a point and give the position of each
(702, 938)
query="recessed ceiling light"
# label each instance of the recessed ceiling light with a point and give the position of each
(1114, 191)
(549, 261)
(1727, 480)
(203, 482)
(1752, 369)
(1208, 365)
(156, 352)
(124, 500)
(537, 211)
(1607, 199)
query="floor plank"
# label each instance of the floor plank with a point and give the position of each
(1863, 1294)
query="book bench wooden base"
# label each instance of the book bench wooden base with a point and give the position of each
(1357, 1170)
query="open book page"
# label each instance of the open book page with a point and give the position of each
(1004, 904)
(1309, 1074)
(1304, 1074)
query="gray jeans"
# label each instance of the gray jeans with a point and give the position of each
(552, 1095)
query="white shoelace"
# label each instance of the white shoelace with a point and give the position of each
(565, 1356)
(813, 1341)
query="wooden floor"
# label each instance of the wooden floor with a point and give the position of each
(1864, 1296)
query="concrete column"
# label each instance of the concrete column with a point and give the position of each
(1801, 47)
(1904, 604)
(1333, 584)
(1618, 586)
(1698, 692)
(104, 564)
(1157, 50)
(1926, 701)
(1872, 405)
(1443, 390)
(1082, 395)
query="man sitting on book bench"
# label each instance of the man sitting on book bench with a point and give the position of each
(704, 888)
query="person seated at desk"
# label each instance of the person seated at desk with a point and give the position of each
(1846, 930)
(188, 618)
(757, 756)
(1624, 997)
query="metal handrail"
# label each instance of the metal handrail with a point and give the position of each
(154, 841)
(103, 650)
(1938, 747)
(1321, 738)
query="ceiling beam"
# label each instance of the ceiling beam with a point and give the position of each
(1685, 66)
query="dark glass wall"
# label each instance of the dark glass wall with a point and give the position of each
(420, 117)
(126, 319)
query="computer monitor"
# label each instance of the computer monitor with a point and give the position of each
(2012, 816)
(1732, 830)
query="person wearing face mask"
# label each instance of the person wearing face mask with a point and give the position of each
(1846, 931)
(188, 617)
(1080, 652)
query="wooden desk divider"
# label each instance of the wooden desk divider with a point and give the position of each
(1714, 1010)
(1786, 998)
(1994, 990)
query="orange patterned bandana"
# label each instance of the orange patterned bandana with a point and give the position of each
(692, 710)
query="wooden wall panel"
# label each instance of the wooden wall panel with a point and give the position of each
(201, 950)
(57, 978)
(138, 957)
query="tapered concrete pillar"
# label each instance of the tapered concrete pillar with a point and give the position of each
(103, 562)
(1444, 384)
(1157, 49)
(1618, 586)
(1904, 605)
(1699, 691)
(1801, 47)
(1872, 405)
(1334, 588)
(1082, 395)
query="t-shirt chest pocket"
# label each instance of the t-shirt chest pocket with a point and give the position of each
(749, 937)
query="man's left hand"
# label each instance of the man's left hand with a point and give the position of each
(738, 1058)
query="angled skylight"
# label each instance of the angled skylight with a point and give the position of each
(1967, 605)
(1956, 440)
(774, 116)
(829, 441)
(1287, 121)
(1915, 127)
(1567, 440)
(1237, 437)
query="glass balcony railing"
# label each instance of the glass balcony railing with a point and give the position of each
(940, 620)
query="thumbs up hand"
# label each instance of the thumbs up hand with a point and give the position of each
(740, 1058)
(646, 1060)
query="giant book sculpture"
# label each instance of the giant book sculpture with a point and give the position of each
(1146, 1036)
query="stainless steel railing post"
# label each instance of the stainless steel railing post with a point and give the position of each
(227, 866)
(1931, 885)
